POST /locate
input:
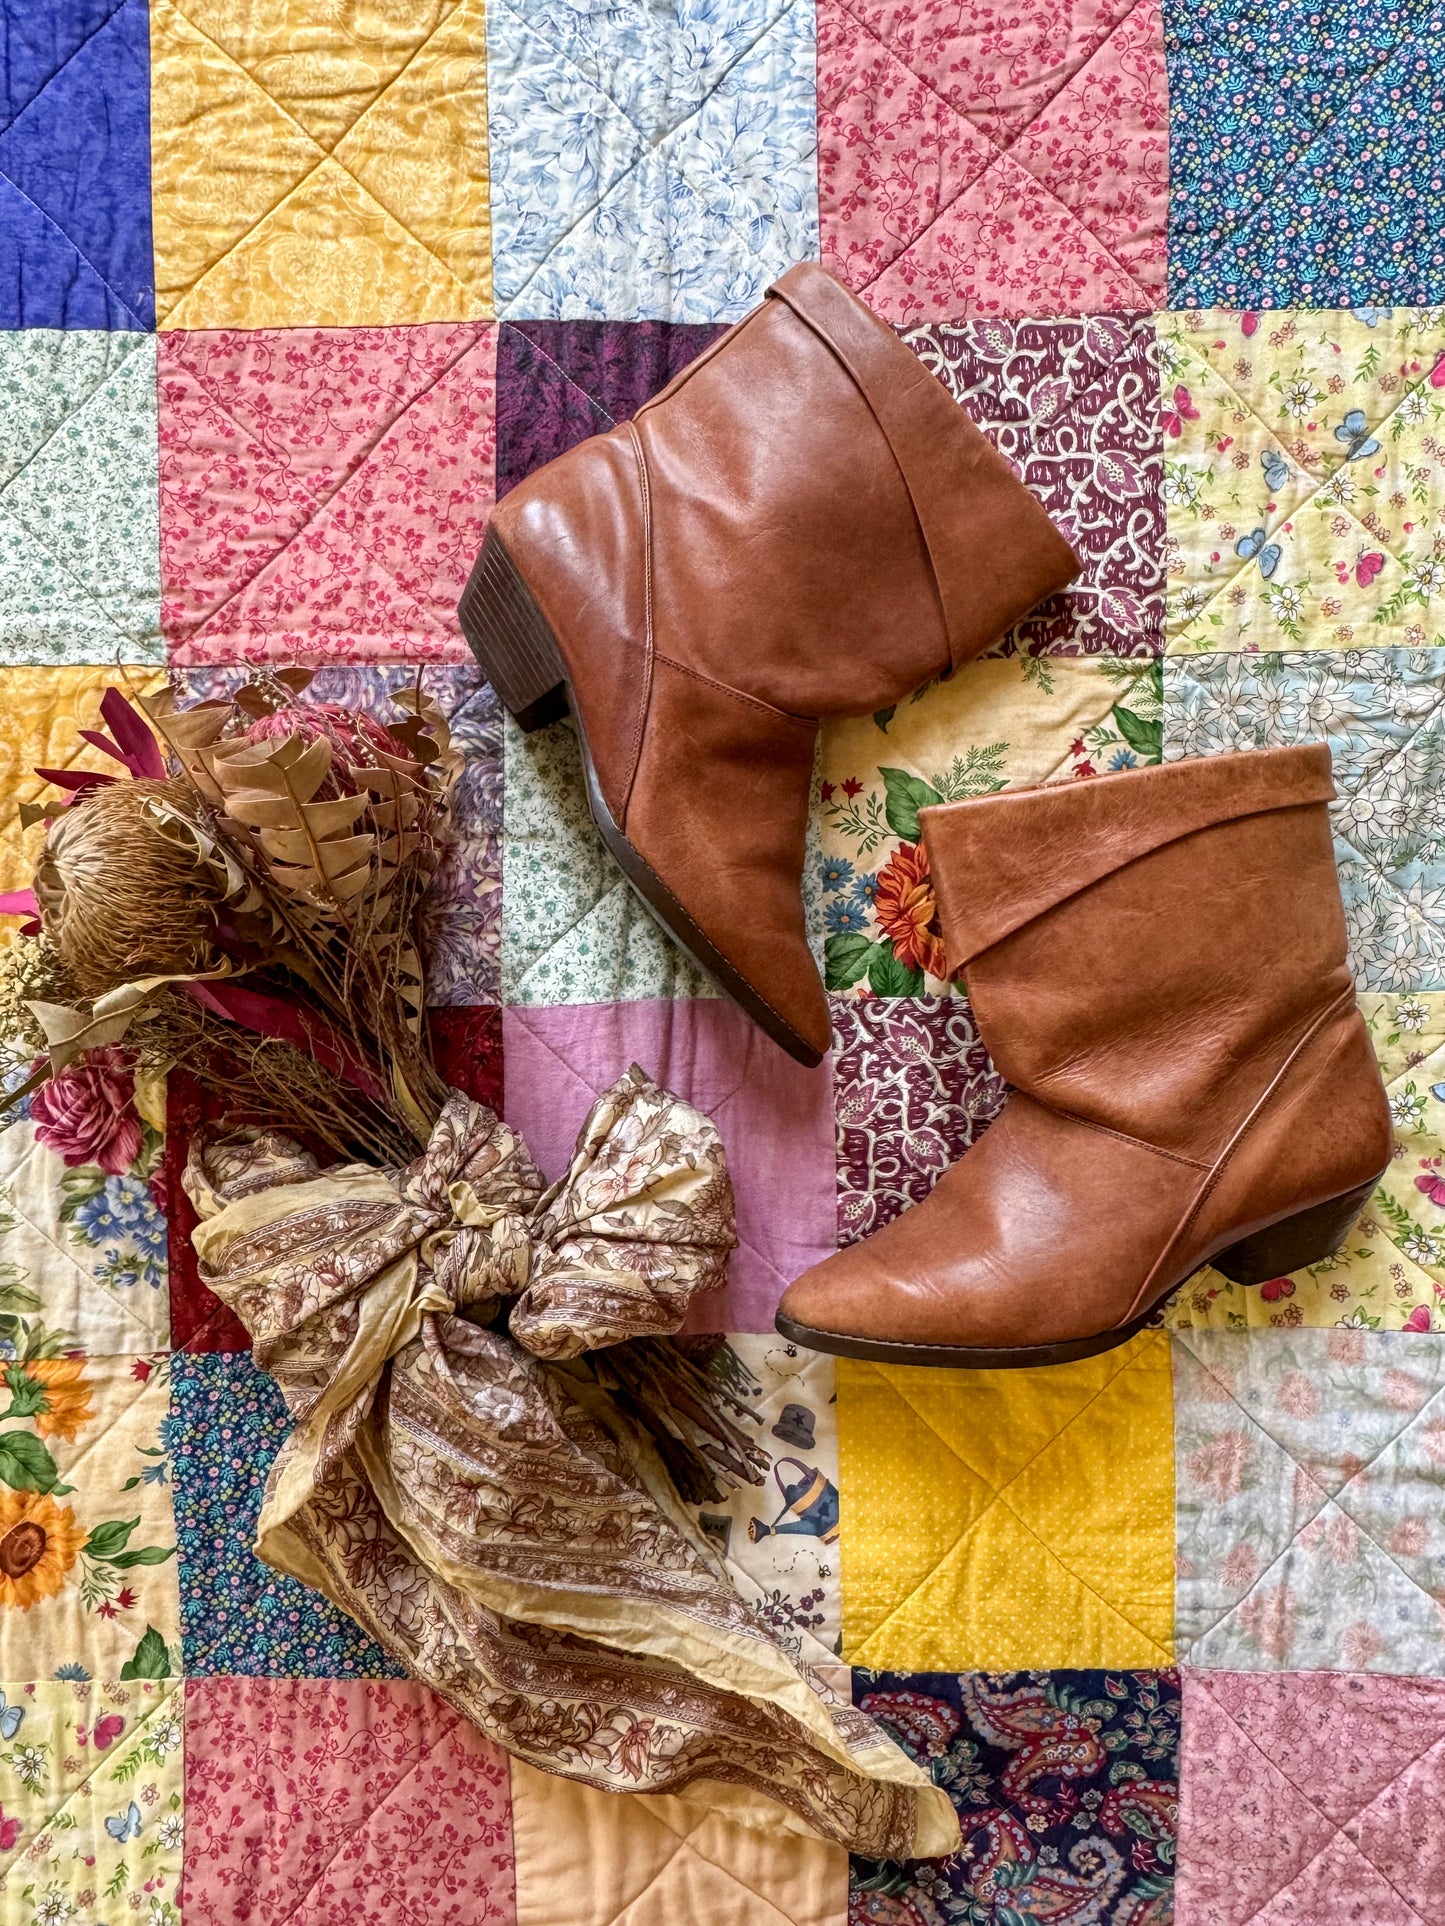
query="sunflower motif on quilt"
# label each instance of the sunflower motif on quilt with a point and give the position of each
(1066, 1785)
(1304, 478)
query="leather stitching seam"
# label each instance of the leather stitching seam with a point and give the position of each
(739, 695)
(1137, 1143)
(649, 640)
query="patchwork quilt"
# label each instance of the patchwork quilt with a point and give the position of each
(290, 292)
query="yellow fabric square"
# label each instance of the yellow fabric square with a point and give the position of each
(1304, 494)
(92, 1782)
(319, 165)
(42, 711)
(1000, 1520)
(611, 1859)
(1389, 1274)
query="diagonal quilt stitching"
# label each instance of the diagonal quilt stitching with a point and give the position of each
(78, 48)
(998, 1497)
(576, 387)
(685, 1845)
(647, 146)
(49, 220)
(324, 500)
(344, 1844)
(1339, 1827)
(168, 1690)
(67, 1257)
(1327, 1497)
(83, 593)
(1226, 582)
(137, 1390)
(1318, 137)
(326, 156)
(1000, 152)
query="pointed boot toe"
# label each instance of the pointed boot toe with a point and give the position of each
(803, 524)
(1156, 962)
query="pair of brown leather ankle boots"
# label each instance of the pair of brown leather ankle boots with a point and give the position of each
(804, 524)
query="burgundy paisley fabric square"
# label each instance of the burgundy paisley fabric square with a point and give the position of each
(1305, 1798)
(321, 1800)
(324, 491)
(913, 1087)
(1075, 407)
(560, 381)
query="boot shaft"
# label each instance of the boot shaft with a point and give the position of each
(1145, 950)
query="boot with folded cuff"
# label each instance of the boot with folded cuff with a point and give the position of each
(1156, 961)
(802, 524)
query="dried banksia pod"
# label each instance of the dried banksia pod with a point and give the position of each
(122, 894)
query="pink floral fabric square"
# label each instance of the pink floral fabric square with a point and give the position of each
(324, 491)
(312, 1801)
(992, 160)
(1305, 1800)
(775, 1117)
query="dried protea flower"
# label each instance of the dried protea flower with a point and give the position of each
(122, 894)
(357, 740)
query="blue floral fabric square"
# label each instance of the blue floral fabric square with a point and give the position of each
(1067, 1789)
(649, 162)
(228, 1421)
(1306, 156)
(75, 206)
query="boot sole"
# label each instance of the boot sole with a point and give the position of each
(1295, 1242)
(518, 653)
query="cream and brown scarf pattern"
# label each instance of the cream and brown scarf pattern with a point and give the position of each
(480, 1505)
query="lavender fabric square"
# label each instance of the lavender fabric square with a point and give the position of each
(1074, 404)
(560, 381)
(913, 1087)
(776, 1120)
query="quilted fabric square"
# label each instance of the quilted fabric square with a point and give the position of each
(88, 1571)
(313, 1800)
(775, 1118)
(1304, 153)
(560, 381)
(616, 1859)
(1390, 1272)
(237, 1615)
(780, 1538)
(913, 1086)
(1310, 1469)
(91, 1785)
(982, 160)
(1066, 1785)
(573, 931)
(323, 491)
(999, 721)
(1302, 479)
(462, 912)
(1381, 713)
(79, 565)
(1074, 406)
(38, 725)
(999, 1519)
(1300, 1800)
(319, 165)
(75, 209)
(650, 162)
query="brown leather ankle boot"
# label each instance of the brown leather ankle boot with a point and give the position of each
(803, 524)
(1157, 963)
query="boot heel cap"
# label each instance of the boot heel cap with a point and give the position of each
(1297, 1242)
(509, 636)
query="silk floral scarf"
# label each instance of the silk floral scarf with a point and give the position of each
(461, 1483)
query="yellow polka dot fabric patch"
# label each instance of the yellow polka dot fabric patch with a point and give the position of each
(1000, 1520)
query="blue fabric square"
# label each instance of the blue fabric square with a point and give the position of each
(1306, 153)
(227, 1423)
(75, 214)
